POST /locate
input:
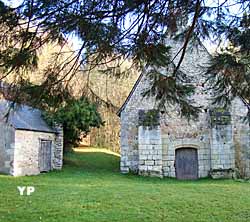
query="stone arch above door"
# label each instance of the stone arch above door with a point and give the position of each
(187, 145)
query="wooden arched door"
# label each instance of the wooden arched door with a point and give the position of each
(186, 163)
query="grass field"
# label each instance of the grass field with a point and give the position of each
(90, 188)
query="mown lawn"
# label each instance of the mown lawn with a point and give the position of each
(90, 188)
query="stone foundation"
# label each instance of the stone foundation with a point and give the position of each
(223, 174)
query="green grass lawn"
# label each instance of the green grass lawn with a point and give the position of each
(90, 188)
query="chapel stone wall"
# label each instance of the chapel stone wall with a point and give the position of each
(219, 147)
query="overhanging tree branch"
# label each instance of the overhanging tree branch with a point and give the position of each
(188, 36)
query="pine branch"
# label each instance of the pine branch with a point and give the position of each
(188, 36)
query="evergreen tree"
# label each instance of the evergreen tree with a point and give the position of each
(76, 115)
(115, 29)
(229, 70)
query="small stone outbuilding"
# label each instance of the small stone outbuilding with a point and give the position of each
(28, 145)
(217, 144)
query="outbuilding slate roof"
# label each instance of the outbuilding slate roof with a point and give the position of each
(24, 117)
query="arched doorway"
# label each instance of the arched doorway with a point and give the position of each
(186, 163)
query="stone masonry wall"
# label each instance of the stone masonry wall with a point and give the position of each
(197, 57)
(129, 142)
(57, 161)
(179, 133)
(7, 143)
(129, 128)
(222, 148)
(219, 147)
(26, 153)
(241, 138)
(157, 146)
(150, 151)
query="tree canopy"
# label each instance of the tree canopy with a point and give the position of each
(117, 30)
(77, 115)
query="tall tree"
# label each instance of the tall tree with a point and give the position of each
(115, 29)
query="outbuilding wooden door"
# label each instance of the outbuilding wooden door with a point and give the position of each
(186, 163)
(45, 155)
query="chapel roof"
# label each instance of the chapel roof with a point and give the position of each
(140, 77)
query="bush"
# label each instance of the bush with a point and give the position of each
(77, 116)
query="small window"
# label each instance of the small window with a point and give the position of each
(220, 116)
(149, 117)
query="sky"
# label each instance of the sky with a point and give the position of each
(72, 39)
(234, 9)
(211, 47)
(13, 3)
